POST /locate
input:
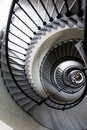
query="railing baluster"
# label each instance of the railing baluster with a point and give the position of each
(62, 6)
(46, 5)
(18, 37)
(13, 53)
(24, 23)
(50, 18)
(17, 52)
(80, 10)
(44, 22)
(28, 16)
(16, 44)
(58, 14)
(68, 13)
(70, 8)
(21, 31)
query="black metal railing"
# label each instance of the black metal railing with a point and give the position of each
(16, 57)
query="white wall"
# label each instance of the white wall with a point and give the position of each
(4, 11)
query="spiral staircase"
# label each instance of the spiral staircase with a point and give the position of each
(43, 61)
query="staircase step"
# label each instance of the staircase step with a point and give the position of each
(23, 101)
(18, 96)
(40, 113)
(28, 106)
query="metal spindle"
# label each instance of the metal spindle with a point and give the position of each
(50, 18)
(24, 23)
(29, 16)
(44, 22)
(68, 13)
(18, 37)
(16, 44)
(21, 31)
(17, 51)
(58, 14)
(80, 10)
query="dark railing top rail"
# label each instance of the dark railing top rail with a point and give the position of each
(7, 54)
